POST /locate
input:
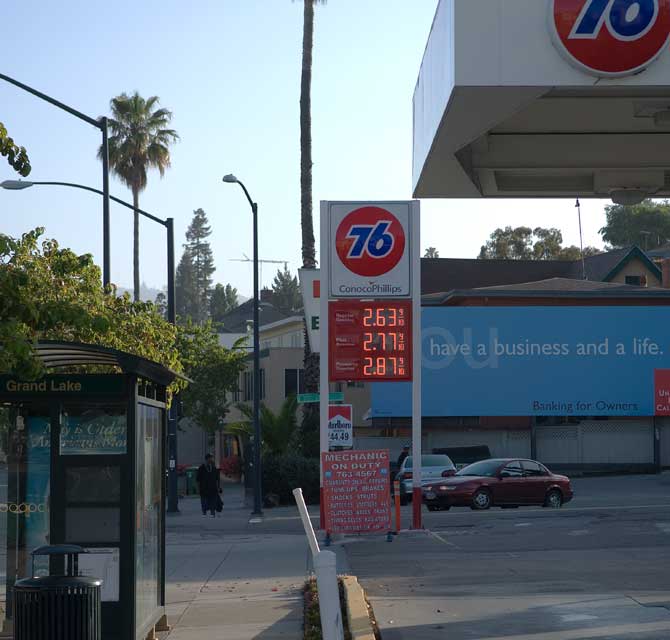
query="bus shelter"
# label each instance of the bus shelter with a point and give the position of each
(83, 461)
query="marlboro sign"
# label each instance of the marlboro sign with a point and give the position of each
(340, 426)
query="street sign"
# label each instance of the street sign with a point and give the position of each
(307, 398)
(610, 38)
(370, 340)
(369, 253)
(357, 492)
(340, 426)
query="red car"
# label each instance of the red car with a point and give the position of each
(499, 482)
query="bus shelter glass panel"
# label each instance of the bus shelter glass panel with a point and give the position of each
(148, 513)
(25, 468)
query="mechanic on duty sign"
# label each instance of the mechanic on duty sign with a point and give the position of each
(356, 491)
(370, 256)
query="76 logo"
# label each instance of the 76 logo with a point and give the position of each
(374, 241)
(624, 19)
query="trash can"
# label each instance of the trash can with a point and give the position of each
(58, 607)
(191, 484)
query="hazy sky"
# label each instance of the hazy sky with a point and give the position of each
(230, 72)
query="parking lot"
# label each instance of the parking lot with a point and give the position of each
(597, 568)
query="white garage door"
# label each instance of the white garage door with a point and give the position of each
(597, 442)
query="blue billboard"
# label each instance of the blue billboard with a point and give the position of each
(547, 361)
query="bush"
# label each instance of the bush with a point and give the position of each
(231, 466)
(283, 473)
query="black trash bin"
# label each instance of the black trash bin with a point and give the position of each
(58, 607)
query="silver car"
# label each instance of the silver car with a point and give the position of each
(433, 466)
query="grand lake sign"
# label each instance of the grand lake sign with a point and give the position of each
(103, 384)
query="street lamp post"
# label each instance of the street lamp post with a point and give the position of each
(231, 179)
(102, 125)
(18, 185)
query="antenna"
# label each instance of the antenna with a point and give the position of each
(581, 242)
(261, 263)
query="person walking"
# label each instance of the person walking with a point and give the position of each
(209, 485)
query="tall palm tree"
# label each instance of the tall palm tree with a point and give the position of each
(310, 422)
(139, 140)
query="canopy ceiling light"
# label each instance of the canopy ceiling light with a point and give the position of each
(628, 197)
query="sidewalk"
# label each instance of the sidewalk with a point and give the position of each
(227, 578)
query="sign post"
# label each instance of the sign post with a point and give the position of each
(370, 307)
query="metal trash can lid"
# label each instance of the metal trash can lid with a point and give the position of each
(59, 550)
(51, 582)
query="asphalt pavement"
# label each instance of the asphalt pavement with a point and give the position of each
(598, 568)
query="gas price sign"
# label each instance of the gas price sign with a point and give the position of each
(370, 340)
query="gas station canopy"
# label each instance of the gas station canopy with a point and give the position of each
(544, 98)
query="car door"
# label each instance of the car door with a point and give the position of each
(537, 481)
(511, 487)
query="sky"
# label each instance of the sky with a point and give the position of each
(229, 70)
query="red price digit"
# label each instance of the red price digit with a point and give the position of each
(381, 366)
(367, 342)
(367, 317)
(367, 366)
(393, 317)
(381, 318)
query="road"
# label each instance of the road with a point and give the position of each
(598, 568)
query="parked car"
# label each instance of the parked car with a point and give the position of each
(433, 467)
(499, 482)
(463, 456)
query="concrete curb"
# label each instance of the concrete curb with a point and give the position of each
(357, 610)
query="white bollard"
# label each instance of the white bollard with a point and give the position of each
(325, 566)
(306, 522)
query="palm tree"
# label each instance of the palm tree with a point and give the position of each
(139, 140)
(311, 360)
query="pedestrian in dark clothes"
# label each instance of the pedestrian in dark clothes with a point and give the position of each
(209, 485)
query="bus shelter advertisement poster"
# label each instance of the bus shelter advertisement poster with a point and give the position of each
(357, 491)
(539, 361)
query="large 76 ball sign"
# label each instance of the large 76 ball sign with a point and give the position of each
(611, 37)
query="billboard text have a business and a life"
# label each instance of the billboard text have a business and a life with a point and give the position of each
(539, 361)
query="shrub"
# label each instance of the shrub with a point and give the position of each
(283, 473)
(231, 466)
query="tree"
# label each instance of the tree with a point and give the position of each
(278, 430)
(184, 288)
(524, 243)
(310, 421)
(215, 372)
(52, 293)
(431, 252)
(202, 261)
(646, 225)
(161, 304)
(223, 300)
(286, 291)
(16, 156)
(139, 141)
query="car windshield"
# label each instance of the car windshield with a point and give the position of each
(431, 461)
(486, 468)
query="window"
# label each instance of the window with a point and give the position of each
(294, 382)
(248, 391)
(514, 469)
(635, 280)
(532, 469)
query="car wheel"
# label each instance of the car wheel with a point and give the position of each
(481, 500)
(554, 499)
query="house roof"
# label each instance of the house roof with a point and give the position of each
(446, 274)
(236, 320)
(552, 287)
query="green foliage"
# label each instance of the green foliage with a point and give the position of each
(52, 293)
(215, 372)
(286, 291)
(223, 301)
(194, 274)
(278, 430)
(431, 252)
(16, 156)
(283, 473)
(161, 304)
(646, 225)
(524, 243)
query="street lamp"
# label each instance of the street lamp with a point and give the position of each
(19, 185)
(99, 124)
(231, 179)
